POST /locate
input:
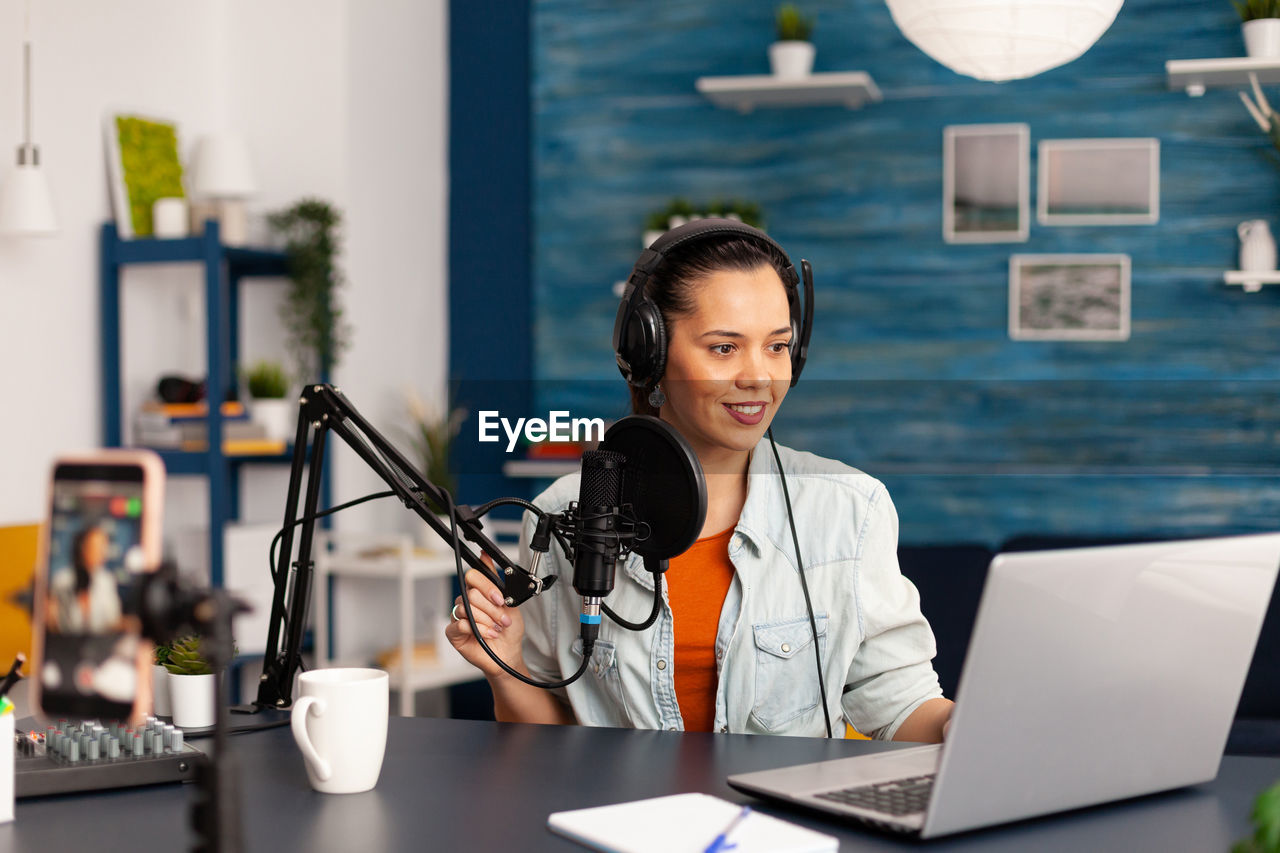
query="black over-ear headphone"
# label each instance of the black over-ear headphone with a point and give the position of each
(640, 336)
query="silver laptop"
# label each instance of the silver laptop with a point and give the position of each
(1093, 674)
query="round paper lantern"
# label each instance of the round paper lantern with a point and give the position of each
(1003, 39)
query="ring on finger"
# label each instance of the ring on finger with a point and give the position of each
(454, 614)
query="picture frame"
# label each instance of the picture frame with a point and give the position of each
(986, 183)
(1098, 182)
(1069, 297)
(143, 164)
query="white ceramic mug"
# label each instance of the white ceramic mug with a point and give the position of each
(340, 723)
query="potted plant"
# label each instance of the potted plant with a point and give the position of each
(268, 385)
(432, 437)
(311, 313)
(1266, 822)
(1261, 26)
(191, 692)
(791, 56)
(160, 681)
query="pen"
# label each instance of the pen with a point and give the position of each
(721, 842)
(13, 676)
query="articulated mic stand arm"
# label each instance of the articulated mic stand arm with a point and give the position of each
(323, 408)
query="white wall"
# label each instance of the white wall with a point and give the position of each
(339, 99)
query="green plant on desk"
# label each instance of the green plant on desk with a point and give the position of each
(185, 658)
(1266, 822)
(160, 656)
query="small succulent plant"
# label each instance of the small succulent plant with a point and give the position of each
(792, 24)
(185, 658)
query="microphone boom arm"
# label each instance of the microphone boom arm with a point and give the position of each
(323, 408)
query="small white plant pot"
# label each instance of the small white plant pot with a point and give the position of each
(1262, 37)
(278, 417)
(651, 235)
(791, 59)
(192, 699)
(160, 691)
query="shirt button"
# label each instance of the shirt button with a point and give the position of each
(662, 664)
(786, 647)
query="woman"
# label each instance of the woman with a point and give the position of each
(732, 650)
(86, 599)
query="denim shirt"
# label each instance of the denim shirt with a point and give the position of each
(875, 645)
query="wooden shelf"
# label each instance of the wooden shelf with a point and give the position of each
(851, 89)
(1251, 281)
(1196, 75)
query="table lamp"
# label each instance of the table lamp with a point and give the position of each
(223, 177)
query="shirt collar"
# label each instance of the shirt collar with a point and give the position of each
(764, 504)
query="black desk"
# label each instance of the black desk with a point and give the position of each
(461, 785)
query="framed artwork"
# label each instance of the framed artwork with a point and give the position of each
(1099, 182)
(1069, 297)
(142, 166)
(986, 183)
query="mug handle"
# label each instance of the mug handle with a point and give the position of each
(298, 722)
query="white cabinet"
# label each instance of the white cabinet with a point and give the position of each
(422, 580)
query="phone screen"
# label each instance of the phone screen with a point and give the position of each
(96, 556)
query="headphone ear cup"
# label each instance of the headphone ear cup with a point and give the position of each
(644, 345)
(659, 347)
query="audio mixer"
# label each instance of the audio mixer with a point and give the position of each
(87, 756)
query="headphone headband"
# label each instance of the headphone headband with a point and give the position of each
(639, 334)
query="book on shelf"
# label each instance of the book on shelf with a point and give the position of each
(232, 409)
(187, 432)
(240, 447)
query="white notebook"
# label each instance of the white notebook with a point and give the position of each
(684, 823)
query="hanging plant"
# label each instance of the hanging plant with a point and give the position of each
(311, 313)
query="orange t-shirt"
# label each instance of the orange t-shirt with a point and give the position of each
(697, 583)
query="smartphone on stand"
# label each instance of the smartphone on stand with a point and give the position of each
(102, 536)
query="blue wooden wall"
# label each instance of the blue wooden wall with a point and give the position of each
(912, 376)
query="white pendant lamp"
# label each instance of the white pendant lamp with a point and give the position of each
(1003, 39)
(26, 206)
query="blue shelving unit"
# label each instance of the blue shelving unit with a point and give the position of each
(225, 267)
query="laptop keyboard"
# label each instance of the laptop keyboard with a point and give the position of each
(898, 797)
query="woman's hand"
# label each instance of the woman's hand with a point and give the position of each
(501, 627)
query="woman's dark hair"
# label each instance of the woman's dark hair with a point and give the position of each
(673, 285)
(77, 555)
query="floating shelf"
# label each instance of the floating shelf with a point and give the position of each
(744, 93)
(1196, 75)
(1251, 281)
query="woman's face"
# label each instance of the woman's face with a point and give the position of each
(728, 365)
(93, 550)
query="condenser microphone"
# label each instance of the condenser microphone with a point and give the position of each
(597, 540)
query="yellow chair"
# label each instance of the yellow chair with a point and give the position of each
(17, 568)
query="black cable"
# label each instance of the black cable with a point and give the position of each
(475, 629)
(275, 542)
(653, 614)
(795, 538)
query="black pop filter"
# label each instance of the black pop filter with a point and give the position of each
(662, 481)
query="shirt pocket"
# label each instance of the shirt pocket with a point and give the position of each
(786, 672)
(603, 682)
